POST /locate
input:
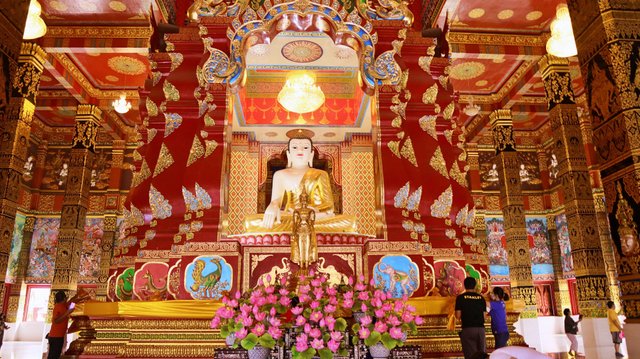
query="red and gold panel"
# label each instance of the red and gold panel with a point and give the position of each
(107, 70)
(48, 81)
(531, 16)
(481, 76)
(57, 116)
(109, 11)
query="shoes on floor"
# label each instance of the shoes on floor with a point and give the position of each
(619, 355)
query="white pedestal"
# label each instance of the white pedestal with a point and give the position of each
(631, 342)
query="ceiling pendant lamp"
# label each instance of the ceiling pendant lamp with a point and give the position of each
(562, 43)
(121, 105)
(300, 94)
(35, 26)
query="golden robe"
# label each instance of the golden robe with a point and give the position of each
(318, 187)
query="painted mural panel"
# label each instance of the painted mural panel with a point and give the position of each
(16, 245)
(488, 171)
(90, 256)
(449, 279)
(124, 284)
(397, 274)
(529, 171)
(565, 246)
(56, 170)
(43, 250)
(150, 281)
(540, 248)
(207, 276)
(497, 249)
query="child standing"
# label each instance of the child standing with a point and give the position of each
(498, 314)
(571, 330)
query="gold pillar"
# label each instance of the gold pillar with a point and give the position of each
(607, 34)
(16, 127)
(110, 232)
(518, 252)
(607, 245)
(560, 285)
(76, 201)
(18, 290)
(573, 174)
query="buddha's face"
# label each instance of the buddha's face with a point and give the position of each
(300, 152)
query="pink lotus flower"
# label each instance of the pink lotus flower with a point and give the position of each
(247, 321)
(387, 307)
(296, 310)
(364, 333)
(330, 322)
(395, 333)
(270, 289)
(361, 278)
(283, 281)
(285, 301)
(329, 308)
(333, 301)
(380, 327)
(363, 307)
(333, 345)
(372, 282)
(419, 320)
(315, 316)
(316, 282)
(272, 312)
(337, 336)
(315, 333)
(304, 298)
(300, 320)
(272, 299)
(307, 328)
(360, 287)
(317, 344)
(215, 322)
(301, 343)
(241, 334)
(347, 303)
(275, 332)
(348, 295)
(363, 295)
(238, 294)
(407, 317)
(393, 320)
(332, 291)
(260, 316)
(304, 289)
(397, 306)
(366, 320)
(258, 329)
(376, 302)
(319, 293)
(283, 292)
(379, 313)
(351, 280)
(315, 304)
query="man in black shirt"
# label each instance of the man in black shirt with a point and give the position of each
(470, 309)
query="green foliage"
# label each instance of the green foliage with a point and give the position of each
(388, 342)
(267, 341)
(249, 341)
(325, 353)
(341, 325)
(373, 339)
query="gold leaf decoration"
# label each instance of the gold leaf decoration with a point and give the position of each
(407, 152)
(170, 46)
(428, 124)
(414, 200)
(204, 134)
(152, 108)
(172, 122)
(137, 156)
(196, 152)
(176, 60)
(401, 198)
(210, 146)
(438, 164)
(137, 219)
(171, 93)
(448, 134)
(396, 122)
(400, 135)
(448, 111)
(155, 77)
(425, 63)
(444, 81)
(160, 207)
(142, 175)
(151, 134)
(208, 121)
(457, 175)
(442, 206)
(399, 109)
(394, 147)
(165, 159)
(430, 95)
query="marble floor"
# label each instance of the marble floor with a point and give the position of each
(22, 350)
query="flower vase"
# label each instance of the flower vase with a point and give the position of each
(259, 352)
(230, 339)
(378, 350)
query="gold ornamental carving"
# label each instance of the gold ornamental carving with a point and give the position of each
(430, 95)
(171, 93)
(442, 206)
(438, 163)
(428, 124)
(126, 65)
(165, 159)
(408, 153)
(196, 152)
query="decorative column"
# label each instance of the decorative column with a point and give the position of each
(573, 174)
(560, 286)
(607, 245)
(17, 294)
(76, 201)
(106, 246)
(519, 255)
(16, 126)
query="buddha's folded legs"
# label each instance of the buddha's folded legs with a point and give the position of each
(336, 224)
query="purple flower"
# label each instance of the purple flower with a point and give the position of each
(333, 345)
(380, 327)
(241, 334)
(317, 344)
(395, 333)
(364, 333)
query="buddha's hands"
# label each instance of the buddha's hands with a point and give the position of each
(271, 215)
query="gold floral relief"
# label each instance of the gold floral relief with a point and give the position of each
(210, 146)
(457, 175)
(448, 111)
(448, 135)
(557, 86)
(165, 159)
(152, 108)
(394, 147)
(430, 95)
(442, 206)
(196, 152)
(160, 207)
(425, 63)
(428, 124)
(176, 60)
(437, 163)
(408, 153)
(208, 121)
(401, 197)
(151, 134)
(171, 93)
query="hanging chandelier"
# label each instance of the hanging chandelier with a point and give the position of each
(35, 26)
(562, 43)
(300, 94)
(121, 105)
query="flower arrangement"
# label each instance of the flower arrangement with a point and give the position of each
(384, 319)
(253, 317)
(318, 329)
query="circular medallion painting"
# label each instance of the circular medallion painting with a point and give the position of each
(301, 51)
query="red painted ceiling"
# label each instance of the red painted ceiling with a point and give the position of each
(111, 71)
(481, 76)
(101, 11)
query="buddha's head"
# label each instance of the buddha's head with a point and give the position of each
(300, 152)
